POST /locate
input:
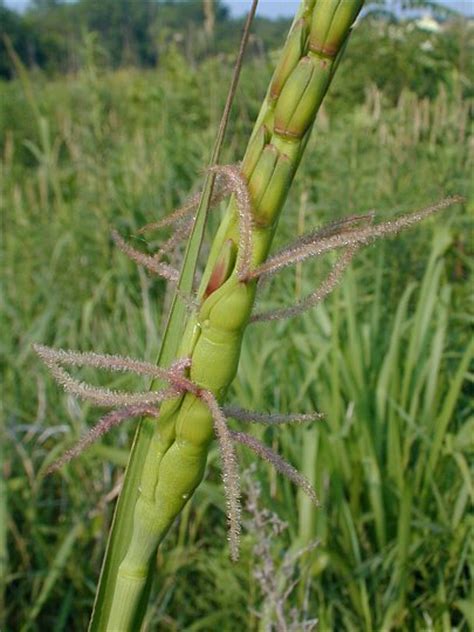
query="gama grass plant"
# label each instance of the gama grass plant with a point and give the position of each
(185, 406)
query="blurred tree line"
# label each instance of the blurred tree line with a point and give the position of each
(50, 34)
(59, 36)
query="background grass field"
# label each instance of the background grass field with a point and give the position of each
(386, 357)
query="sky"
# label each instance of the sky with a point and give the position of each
(277, 8)
(266, 8)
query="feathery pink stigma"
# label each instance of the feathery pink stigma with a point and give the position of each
(270, 419)
(230, 470)
(106, 423)
(150, 263)
(277, 461)
(238, 186)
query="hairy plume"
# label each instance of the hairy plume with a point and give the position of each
(106, 423)
(149, 262)
(269, 419)
(180, 233)
(56, 358)
(187, 209)
(230, 470)
(323, 290)
(313, 245)
(277, 461)
(337, 227)
(237, 184)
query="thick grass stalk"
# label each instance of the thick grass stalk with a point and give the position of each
(120, 534)
(175, 451)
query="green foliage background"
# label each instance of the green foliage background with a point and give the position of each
(386, 357)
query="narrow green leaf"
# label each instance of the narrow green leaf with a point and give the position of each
(442, 422)
(54, 573)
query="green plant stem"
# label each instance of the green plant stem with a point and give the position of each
(171, 452)
(121, 528)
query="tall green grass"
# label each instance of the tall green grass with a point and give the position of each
(386, 357)
(390, 462)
